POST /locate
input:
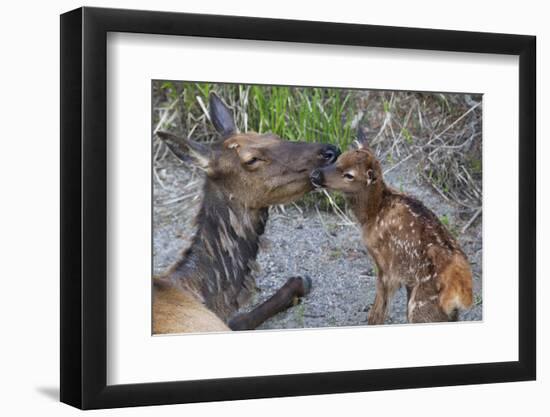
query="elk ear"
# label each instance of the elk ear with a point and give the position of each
(361, 141)
(221, 116)
(186, 149)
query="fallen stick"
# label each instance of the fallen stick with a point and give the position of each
(474, 217)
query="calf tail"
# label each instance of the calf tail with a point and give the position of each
(456, 286)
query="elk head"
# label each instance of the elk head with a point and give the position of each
(258, 170)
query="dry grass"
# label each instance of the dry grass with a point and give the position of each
(441, 132)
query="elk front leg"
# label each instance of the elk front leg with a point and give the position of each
(284, 298)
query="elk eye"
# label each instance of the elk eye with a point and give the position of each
(251, 161)
(348, 176)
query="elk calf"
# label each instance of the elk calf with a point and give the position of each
(407, 241)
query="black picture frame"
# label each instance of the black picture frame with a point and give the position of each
(84, 207)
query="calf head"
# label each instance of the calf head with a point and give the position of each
(354, 171)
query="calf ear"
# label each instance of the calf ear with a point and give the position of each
(221, 116)
(371, 176)
(186, 149)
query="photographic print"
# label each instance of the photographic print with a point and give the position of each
(282, 207)
(336, 204)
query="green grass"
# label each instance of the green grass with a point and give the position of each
(296, 114)
(299, 313)
(293, 113)
(477, 300)
(475, 165)
(450, 226)
(407, 135)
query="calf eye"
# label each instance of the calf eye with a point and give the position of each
(348, 176)
(251, 161)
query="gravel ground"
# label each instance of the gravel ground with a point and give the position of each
(320, 245)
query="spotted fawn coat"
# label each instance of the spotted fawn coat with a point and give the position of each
(408, 243)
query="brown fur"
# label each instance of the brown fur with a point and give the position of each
(245, 173)
(407, 241)
(177, 311)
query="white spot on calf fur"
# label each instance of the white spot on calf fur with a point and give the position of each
(426, 279)
(412, 304)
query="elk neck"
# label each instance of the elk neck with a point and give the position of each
(220, 265)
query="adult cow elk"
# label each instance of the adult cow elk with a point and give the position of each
(245, 173)
(408, 243)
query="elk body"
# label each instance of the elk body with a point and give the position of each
(408, 243)
(245, 173)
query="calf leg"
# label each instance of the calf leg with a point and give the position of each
(384, 292)
(284, 298)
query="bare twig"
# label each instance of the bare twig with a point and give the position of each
(339, 211)
(474, 217)
(166, 114)
(419, 149)
(203, 107)
(175, 200)
(325, 229)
